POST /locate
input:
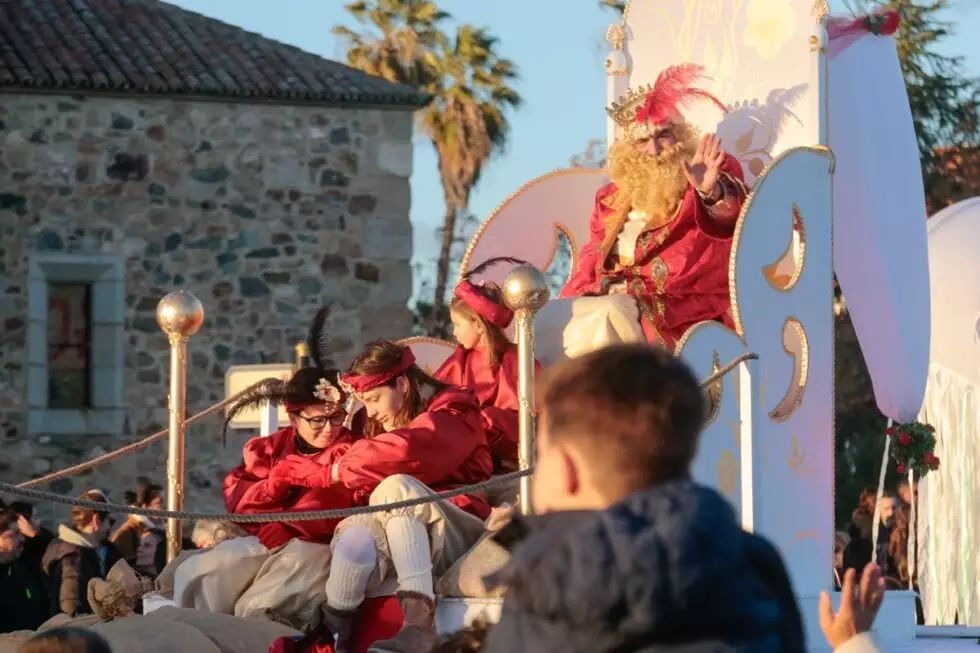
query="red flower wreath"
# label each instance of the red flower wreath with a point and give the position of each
(913, 445)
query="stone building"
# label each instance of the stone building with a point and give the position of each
(145, 148)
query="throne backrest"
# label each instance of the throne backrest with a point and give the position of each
(528, 224)
(758, 55)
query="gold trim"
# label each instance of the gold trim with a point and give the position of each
(740, 224)
(428, 340)
(682, 341)
(572, 246)
(769, 271)
(821, 9)
(425, 340)
(478, 234)
(714, 392)
(801, 368)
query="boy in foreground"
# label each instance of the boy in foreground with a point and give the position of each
(630, 553)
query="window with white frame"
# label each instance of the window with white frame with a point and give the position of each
(76, 306)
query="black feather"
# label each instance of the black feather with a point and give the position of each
(490, 262)
(269, 390)
(316, 339)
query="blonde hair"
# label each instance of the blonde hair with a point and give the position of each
(648, 183)
(494, 339)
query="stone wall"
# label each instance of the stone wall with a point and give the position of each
(264, 212)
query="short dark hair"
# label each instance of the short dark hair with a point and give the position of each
(82, 517)
(148, 493)
(66, 640)
(635, 410)
(8, 519)
(22, 508)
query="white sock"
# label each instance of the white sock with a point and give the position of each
(408, 541)
(354, 558)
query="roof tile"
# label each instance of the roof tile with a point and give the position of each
(149, 46)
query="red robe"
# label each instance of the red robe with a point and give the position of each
(445, 447)
(679, 274)
(247, 490)
(496, 388)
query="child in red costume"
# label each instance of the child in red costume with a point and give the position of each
(282, 568)
(486, 361)
(422, 437)
(315, 404)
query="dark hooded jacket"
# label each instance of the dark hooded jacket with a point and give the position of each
(70, 562)
(667, 569)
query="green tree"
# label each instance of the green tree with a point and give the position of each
(617, 5)
(472, 89)
(942, 96)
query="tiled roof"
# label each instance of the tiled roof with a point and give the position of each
(151, 47)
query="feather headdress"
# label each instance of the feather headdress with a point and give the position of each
(641, 111)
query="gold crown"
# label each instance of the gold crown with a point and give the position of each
(623, 112)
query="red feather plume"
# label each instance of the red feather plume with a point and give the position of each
(672, 90)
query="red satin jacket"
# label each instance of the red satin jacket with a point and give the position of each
(247, 490)
(445, 447)
(496, 388)
(679, 275)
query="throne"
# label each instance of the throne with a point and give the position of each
(768, 60)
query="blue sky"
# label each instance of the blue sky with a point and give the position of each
(559, 48)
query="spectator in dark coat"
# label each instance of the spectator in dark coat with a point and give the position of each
(23, 595)
(80, 553)
(632, 555)
(36, 537)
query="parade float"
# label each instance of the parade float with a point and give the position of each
(819, 119)
(949, 498)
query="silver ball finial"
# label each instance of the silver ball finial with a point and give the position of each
(526, 288)
(180, 313)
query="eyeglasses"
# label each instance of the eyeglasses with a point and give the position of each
(319, 421)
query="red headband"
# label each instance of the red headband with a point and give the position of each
(496, 314)
(365, 382)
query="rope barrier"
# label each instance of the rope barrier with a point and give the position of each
(728, 367)
(309, 515)
(129, 448)
(24, 489)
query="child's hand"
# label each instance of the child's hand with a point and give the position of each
(499, 517)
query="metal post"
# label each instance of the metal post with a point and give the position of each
(268, 419)
(179, 315)
(750, 460)
(302, 355)
(525, 291)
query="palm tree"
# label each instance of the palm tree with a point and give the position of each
(471, 88)
(404, 50)
(618, 5)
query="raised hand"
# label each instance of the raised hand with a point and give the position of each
(704, 168)
(858, 606)
(26, 527)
